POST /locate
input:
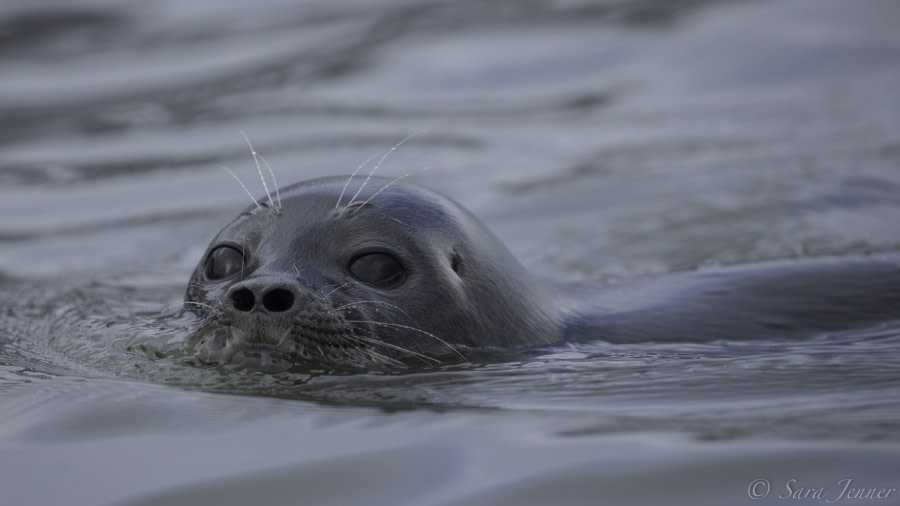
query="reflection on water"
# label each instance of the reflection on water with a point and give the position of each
(598, 138)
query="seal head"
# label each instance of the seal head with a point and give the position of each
(397, 273)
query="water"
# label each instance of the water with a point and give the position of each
(597, 138)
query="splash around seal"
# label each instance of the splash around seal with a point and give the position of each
(396, 273)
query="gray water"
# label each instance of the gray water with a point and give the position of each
(598, 139)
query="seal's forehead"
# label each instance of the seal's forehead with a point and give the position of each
(339, 196)
(343, 190)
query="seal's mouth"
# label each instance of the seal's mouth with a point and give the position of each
(318, 339)
(271, 347)
(290, 337)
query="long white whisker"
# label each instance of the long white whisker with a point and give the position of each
(235, 176)
(258, 168)
(338, 288)
(385, 187)
(196, 336)
(274, 182)
(397, 325)
(398, 348)
(199, 325)
(374, 356)
(344, 190)
(376, 302)
(202, 286)
(182, 304)
(377, 165)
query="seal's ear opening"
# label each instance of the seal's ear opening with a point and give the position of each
(454, 262)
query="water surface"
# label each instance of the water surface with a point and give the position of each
(598, 139)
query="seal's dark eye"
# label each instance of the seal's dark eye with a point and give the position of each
(377, 269)
(223, 262)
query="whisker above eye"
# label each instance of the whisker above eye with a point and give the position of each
(388, 185)
(344, 190)
(262, 178)
(236, 178)
(377, 165)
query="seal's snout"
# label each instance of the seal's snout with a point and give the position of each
(261, 296)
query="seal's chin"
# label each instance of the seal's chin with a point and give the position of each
(242, 347)
(258, 357)
(258, 335)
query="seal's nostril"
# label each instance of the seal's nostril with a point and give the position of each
(243, 299)
(278, 299)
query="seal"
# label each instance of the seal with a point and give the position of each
(394, 271)
(398, 274)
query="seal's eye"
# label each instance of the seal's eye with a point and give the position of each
(377, 269)
(223, 262)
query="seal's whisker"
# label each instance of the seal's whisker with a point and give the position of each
(199, 325)
(375, 356)
(376, 342)
(344, 190)
(338, 288)
(386, 359)
(196, 335)
(201, 286)
(182, 304)
(214, 311)
(407, 327)
(243, 256)
(235, 176)
(385, 187)
(377, 165)
(320, 290)
(274, 182)
(377, 302)
(259, 169)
